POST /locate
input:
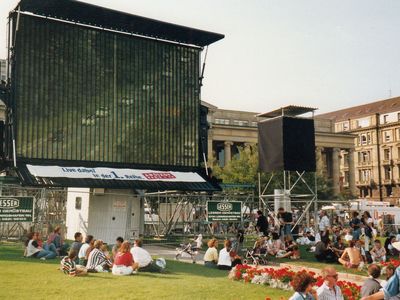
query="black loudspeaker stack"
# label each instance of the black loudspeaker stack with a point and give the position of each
(286, 143)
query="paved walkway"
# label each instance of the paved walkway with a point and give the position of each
(169, 253)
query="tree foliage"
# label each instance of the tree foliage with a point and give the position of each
(243, 169)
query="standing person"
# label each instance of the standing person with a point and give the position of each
(329, 289)
(123, 261)
(118, 242)
(355, 224)
(83, 249)
(371, 285)
(56, 239)
(323, 225)
(77, 244)
(368, 224)
(286, 219)
(262, 223)
(303, 286)
(69, 267)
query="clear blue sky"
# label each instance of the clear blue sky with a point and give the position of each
(329, 54)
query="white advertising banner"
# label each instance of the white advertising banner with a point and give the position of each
(113, 173)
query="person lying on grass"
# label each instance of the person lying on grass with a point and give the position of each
(123, 261)
(351, 257)
(69, 267)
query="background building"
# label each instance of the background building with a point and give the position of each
(3, 69)
(376, 127)
(230, 129)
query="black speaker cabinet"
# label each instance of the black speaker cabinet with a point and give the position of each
(286, 143)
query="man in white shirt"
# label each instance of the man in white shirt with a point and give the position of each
(143, 258)
(323, 224)
(329, 290)
(83, 249)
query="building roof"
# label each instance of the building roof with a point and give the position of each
(380, 107)
(290, 110)
(93, 15)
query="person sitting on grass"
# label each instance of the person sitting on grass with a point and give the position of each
(77, 244)
(390, 250)
(338, 247)
(224, 259)
(82, 251)
(211, 255)
(115, 248)
(293, 253)
(324, 252)
(371, 285)
(123, 261)
(56, 239)
(351, 257)
(275, 245)
(69, 267)
(378, 253)
(97, 260)
(303, 286)
(143, 258)
(35, 251)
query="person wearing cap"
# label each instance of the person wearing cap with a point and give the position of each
(392, 289)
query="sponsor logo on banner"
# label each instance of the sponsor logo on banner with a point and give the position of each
(224, 206)
(9, 203)
(113, 173)
(155, 176)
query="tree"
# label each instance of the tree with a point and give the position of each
(243, 169)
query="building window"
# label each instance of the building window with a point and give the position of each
(363, 139)
(346, 176)
(364, 175)
(346, 159)
(78, 203)
(385, 119)
(369, 138)
(222, 121)
(387, 136)
(254, 124)
(240, 123)
(388, 173)
(398, 116)
(386, 154)
(345, 126)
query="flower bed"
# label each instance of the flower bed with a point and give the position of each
(393, 262)
(282, 278)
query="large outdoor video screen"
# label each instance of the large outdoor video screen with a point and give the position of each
(85, 94)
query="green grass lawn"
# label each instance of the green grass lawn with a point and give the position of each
(25, 278)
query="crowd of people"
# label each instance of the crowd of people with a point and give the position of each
(93, 255)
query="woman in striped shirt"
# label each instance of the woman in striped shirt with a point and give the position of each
(97, 260)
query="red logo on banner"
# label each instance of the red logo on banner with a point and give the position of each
(155, 176)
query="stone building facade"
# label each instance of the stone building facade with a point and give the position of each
(229, 129)
(376, 127)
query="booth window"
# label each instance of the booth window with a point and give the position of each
(78, 203)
